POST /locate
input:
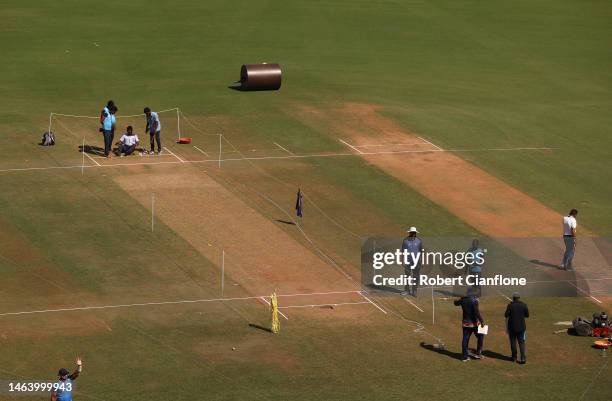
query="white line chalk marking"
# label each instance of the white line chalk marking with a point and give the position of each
(200, 150)
(584, 292)
(187, 301)
(374, 145)
(322, 305)
(503, 295)
(283, 148)
(321, 155)
(172, 153)
(279, 312)
(350, 146)
(413, 304)
(91, 158)
(370, 301)
(426, 141)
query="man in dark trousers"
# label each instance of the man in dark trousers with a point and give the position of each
(569, 238)
(516, 312)
(470, 321)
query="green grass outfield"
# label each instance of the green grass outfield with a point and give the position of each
(464, 74)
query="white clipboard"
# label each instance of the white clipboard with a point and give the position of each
(484, 330)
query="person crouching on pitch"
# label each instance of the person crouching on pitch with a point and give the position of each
(128, 142)
(62, 390)
(154, 129)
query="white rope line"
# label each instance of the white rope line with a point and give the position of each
(283, 148)
(370, 301)
(583, 291)
(267, 158)
(173, 154)
(374, 145)
(91, 158)
(119, 116)
(322, 305)
(186, 301)
(200, 150)
(426, 141)
(413, 304)
(350, 146)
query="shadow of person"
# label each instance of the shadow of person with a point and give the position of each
(441, 350)
(285, 222)
(545, 264)
(92, 150)
(256, 326)
(495, 355)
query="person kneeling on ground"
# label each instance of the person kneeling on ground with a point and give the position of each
(128, 142)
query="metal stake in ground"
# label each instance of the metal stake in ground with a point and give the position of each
(433, 307)
(220, 137)
(83, 151)
(222, 271)
(152, 212)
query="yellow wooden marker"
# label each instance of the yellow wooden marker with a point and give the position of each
(274, 308)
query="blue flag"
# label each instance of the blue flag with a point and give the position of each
(298, 204)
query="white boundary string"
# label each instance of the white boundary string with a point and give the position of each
(186, 301)
(322, 305)
(322, 155)
(119, 116)
(426, 141)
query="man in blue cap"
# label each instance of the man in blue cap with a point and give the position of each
(62, 389)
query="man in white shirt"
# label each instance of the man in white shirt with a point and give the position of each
(569, 237)
(128, 142)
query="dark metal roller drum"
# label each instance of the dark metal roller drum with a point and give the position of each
(260, 77)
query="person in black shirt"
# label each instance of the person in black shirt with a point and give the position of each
(470, 321)
(516, 312)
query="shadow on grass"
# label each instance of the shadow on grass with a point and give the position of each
(496, 355)
(285, 222)
(237, 86)
(545, 264)
(256, 326)
(441, 350)
(92, 150)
